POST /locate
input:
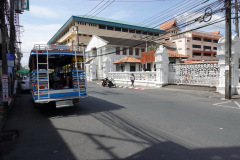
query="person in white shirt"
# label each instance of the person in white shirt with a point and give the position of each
(132, 78)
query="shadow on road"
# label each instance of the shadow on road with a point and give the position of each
(40, 139)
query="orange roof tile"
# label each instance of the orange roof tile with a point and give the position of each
(167, 25)
(175, 54)
(200, 61)
(217, 32)
(128, 60)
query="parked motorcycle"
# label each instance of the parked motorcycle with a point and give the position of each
(108, 82)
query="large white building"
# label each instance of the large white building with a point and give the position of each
(78, 30)
(108, 54)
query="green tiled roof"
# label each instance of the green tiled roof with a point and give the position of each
(108, 22)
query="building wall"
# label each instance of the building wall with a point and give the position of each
(87, 30)
(196, 48)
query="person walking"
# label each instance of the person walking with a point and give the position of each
(132, 78)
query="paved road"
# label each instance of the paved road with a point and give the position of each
(121, 123)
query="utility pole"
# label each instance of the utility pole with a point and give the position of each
(12, 44)
(228, 44)
(4, 46)
(236, 18)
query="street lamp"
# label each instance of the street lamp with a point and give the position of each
(76, 27)
(72, 41)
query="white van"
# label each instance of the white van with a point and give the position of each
(25, 83)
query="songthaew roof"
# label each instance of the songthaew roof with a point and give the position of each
(128, 59)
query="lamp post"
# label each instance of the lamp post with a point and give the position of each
(72, 41)
(77, 36)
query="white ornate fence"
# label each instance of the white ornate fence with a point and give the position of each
(206, 74)
(143, 78)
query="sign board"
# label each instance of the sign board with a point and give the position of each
(25, 4)
(10, 69)
(5, 88)
(10, 56)
(10, 60)
(58, 47)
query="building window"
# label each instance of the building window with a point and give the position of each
(117, 29)
(138, 32)
(124, 30)
(207, 40)
(124, 51)
(117, 50)
(156, 34)
(179, 40)
(197, 38)
(101, 27)
(188, 40)
(142, 50)
(196, 54)
(137, 51)
(109, 28)
(207, 54)
(132, 31)
(150, 33)
(188, 48)
(173, 42)
(215, 41)
(207, 47)
(215, 48)
(196, 46)
(144, 33)
(130, 51)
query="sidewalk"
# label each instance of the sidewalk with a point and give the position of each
(4, 113)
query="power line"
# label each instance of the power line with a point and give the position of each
(161, 38)
(95, 7)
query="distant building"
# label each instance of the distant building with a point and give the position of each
(197, 45)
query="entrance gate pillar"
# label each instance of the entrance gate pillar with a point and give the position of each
(234, 65)
(161, 61)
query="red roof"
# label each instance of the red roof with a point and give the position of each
(128, 60)
(167, 25)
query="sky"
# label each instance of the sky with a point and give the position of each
(46, 17)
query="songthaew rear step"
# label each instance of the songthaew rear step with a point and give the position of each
(57, 74)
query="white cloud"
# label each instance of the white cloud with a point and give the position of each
(36, 34)
(42, 12)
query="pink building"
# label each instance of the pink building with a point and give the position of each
(197, 45)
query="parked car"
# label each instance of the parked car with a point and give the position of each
(25, 83)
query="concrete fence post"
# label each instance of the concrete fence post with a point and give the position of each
(234, 65)
(161, 61)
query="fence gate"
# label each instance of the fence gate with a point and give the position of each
(206, 74)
